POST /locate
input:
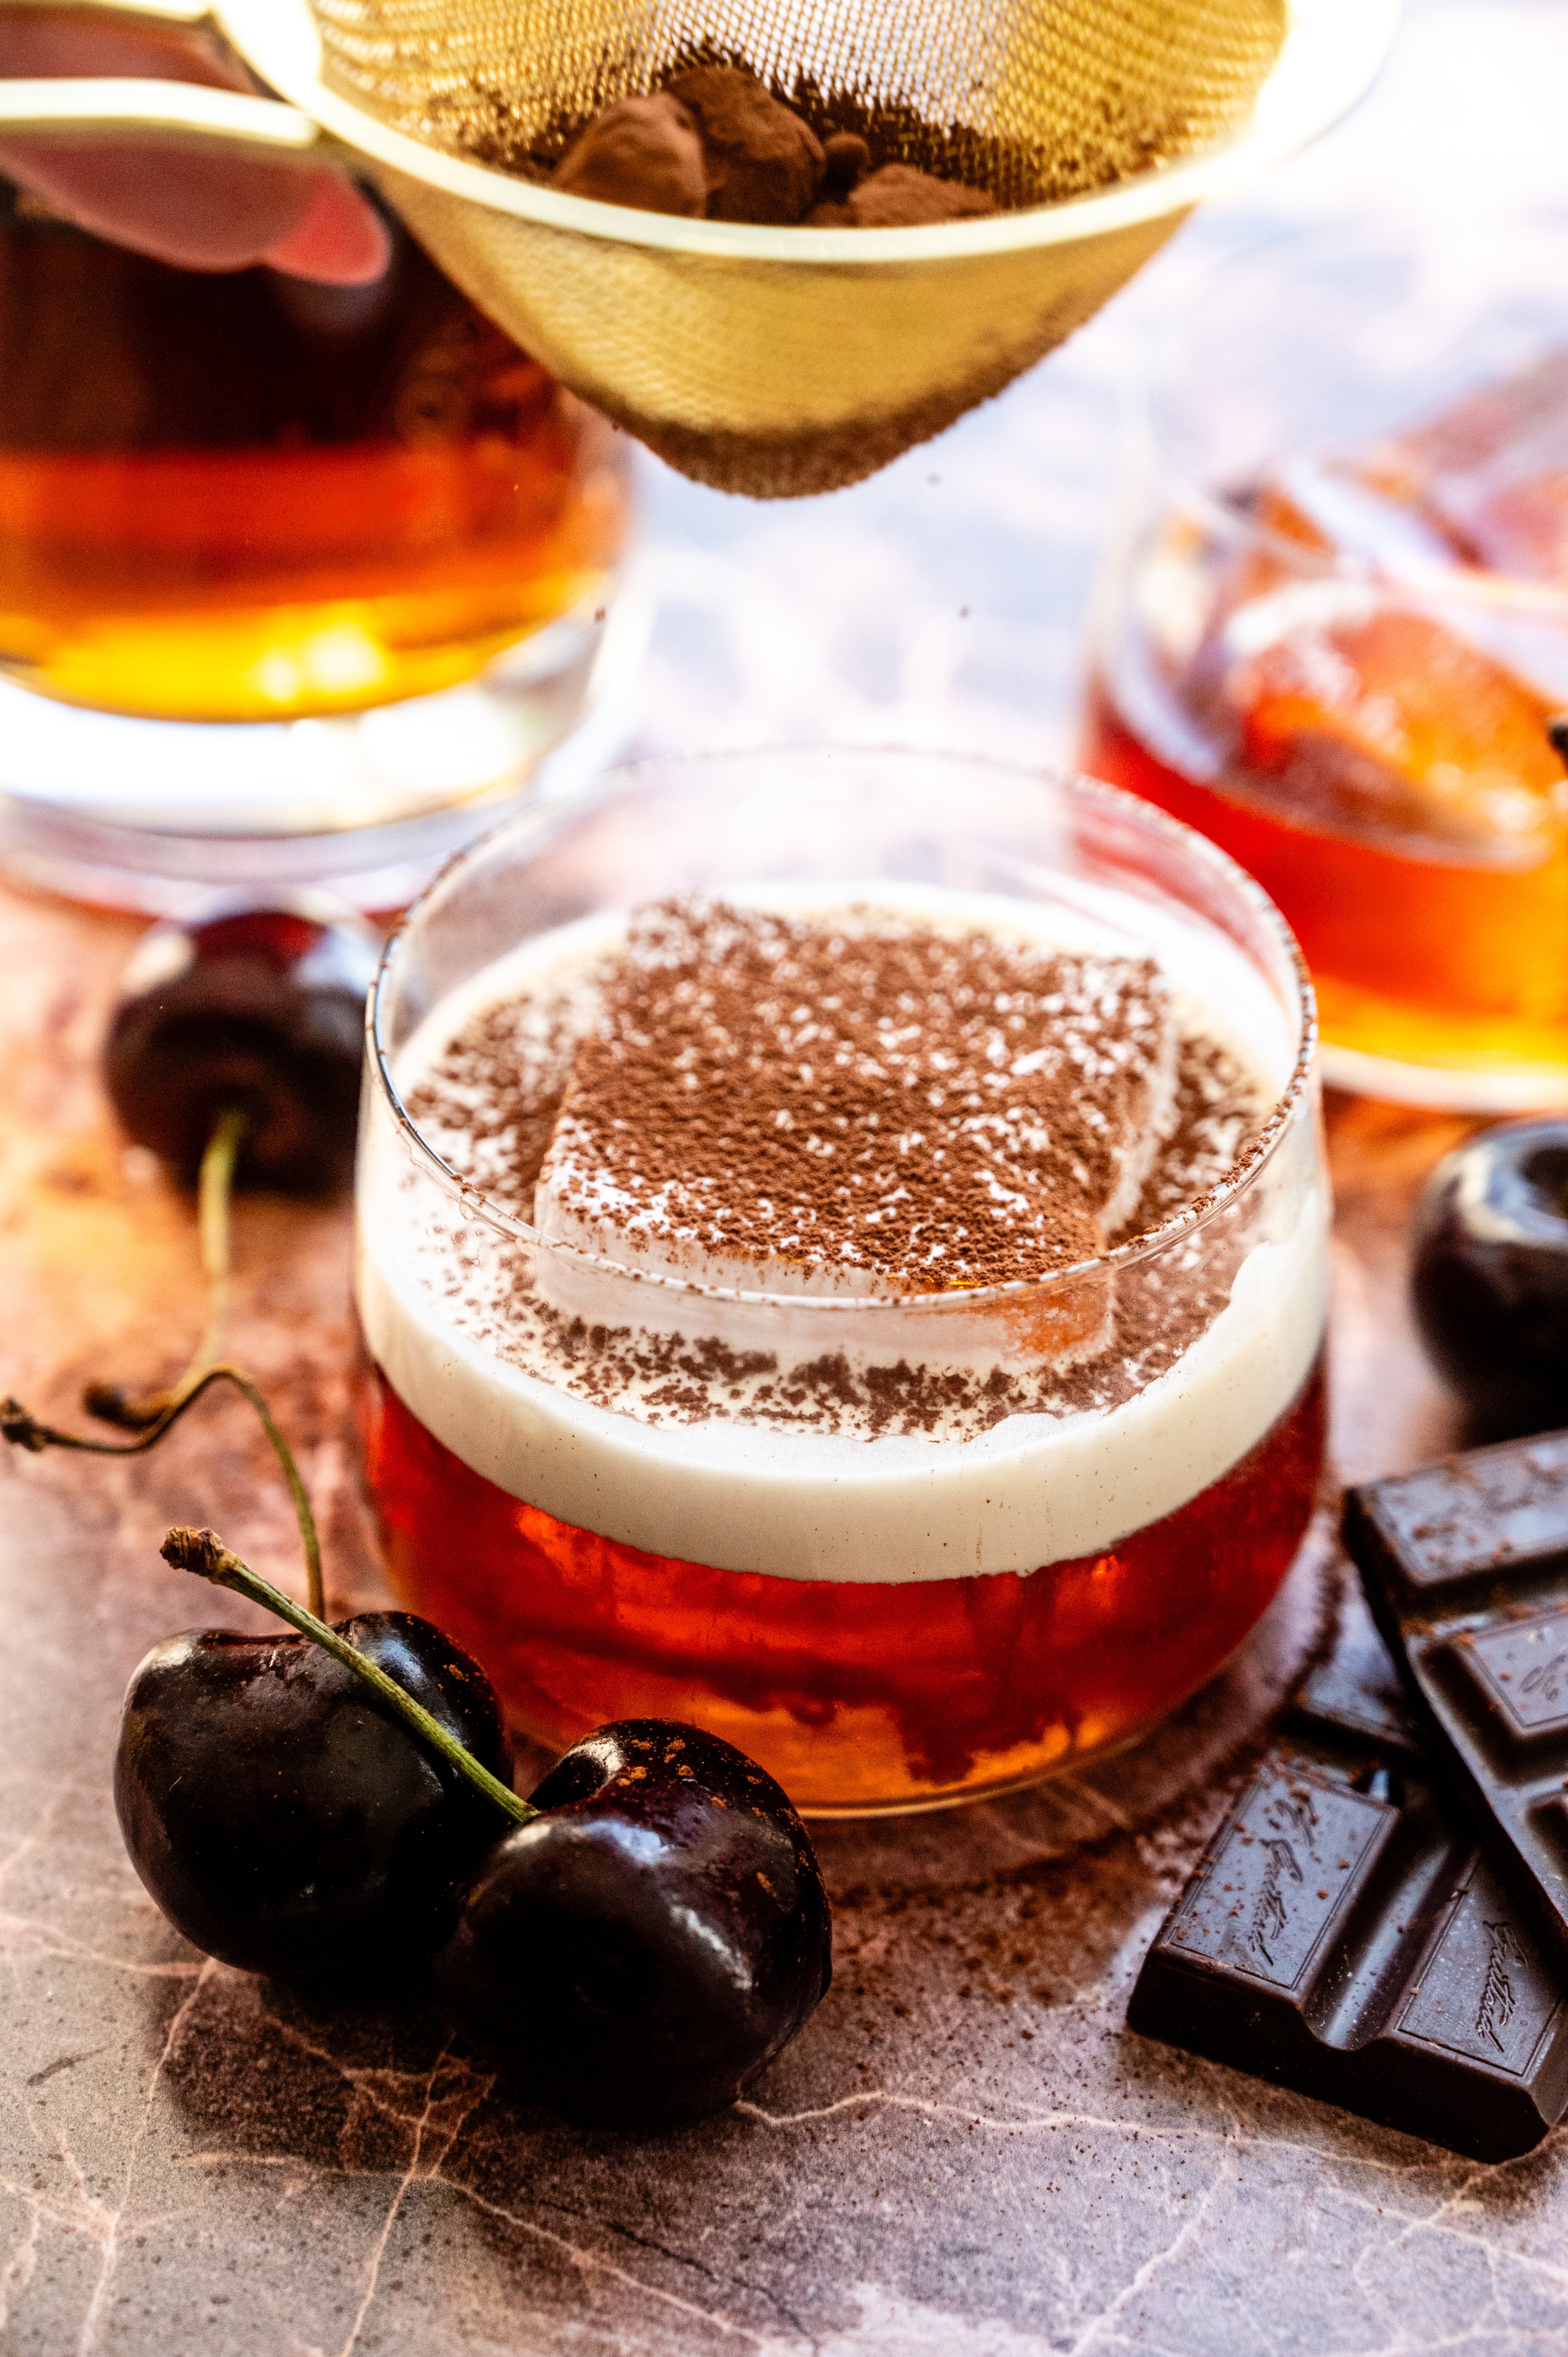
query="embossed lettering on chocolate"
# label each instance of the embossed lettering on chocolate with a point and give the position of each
(1466, 1568)
(1345, 1935)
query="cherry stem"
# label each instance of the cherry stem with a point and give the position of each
(151, 1417)
(204, 1553)
(214, 1196)
(24, 1430)
(112, 1402)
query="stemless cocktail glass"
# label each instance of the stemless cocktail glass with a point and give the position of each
(886, 1620)
(298, 584)
(1335, 630)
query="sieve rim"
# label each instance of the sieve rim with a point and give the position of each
(1331, 53)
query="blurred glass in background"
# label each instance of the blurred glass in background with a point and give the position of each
(249, 501)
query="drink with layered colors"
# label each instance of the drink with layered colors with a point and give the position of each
(842, 1258)
(240, 496)
(1333, 637)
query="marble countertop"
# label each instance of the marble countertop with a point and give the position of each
(967, 2150)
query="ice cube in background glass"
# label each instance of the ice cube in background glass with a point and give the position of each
(1417, 719)
(1383, 722)
(1332, 503)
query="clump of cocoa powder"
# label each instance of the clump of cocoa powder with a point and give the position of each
(714, 140)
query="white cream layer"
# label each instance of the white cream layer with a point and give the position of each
(818, 1505)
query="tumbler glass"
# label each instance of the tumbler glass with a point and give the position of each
(297, 582)
(885, 1620)
(1334, 630)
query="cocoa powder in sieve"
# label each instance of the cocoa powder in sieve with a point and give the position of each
(715, 140)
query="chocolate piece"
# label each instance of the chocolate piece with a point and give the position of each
(714, 140)
(642, 152)
(1344, 1934)
(1466, 1567)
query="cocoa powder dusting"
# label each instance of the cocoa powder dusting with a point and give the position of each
(927, 1019)
(856, 1095)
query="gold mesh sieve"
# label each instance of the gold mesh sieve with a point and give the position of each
(777, 361)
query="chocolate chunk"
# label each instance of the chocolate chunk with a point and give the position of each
(643, 152)
(1466, 1568)
(1346, 1936)
(764, 162)
(716, 141)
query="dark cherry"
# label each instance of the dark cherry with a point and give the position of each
(284, 1818)
(259, 1008)
(639, 1951)
(1490, 1275)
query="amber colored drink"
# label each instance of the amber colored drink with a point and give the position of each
(903, 1548)
(242, 497)
(1438, 963)
(855, 1694)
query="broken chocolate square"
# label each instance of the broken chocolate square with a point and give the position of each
(1466, 1568)
(1346, 1936)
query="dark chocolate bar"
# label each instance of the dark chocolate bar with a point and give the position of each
(1466, 1568)
(1345, 1936)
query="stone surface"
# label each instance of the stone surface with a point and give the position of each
(966, 2149)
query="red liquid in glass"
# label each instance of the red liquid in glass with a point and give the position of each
(855, 1696)
(1422, 961)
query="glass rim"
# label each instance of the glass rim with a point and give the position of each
(625, 779)
(1459, 584)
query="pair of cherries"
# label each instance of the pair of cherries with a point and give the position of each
(657, 1929)
(636, 1953)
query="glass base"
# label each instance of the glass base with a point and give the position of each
(132, 814)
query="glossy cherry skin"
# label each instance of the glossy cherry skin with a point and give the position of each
(284, 1819)
(263, 1009)
(1489, 1275)
(639, 1953)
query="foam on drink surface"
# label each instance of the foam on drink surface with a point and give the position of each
(867, 1107)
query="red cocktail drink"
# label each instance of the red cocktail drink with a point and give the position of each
(857, 1695)
(900, 1547)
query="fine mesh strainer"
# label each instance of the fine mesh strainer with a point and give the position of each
(773, 362)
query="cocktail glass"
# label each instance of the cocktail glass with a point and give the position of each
(298, 584)
(1335, 627)
(886, 1622)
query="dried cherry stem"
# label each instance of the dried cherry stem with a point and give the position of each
(25, 1432)
(214, 1200)
(150, 1416)
(112, 1402)
(204, 1553)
